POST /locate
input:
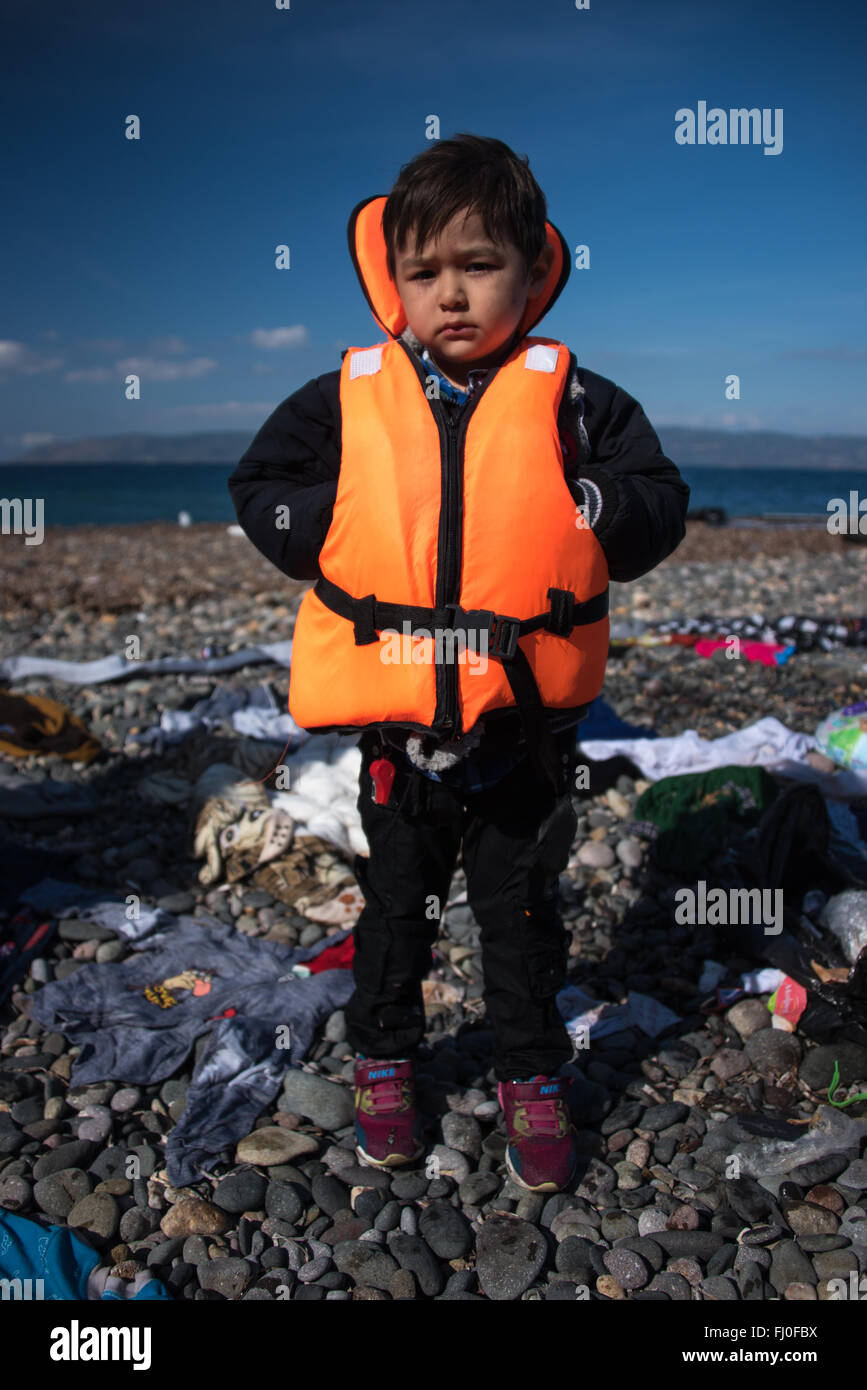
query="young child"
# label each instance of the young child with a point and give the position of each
(462, 493)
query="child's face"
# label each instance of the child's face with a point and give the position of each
(464, 278)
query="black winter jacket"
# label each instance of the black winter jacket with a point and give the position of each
(294, 460)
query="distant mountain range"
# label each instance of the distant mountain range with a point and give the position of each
(689, 448)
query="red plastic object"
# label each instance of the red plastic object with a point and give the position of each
(382, 771)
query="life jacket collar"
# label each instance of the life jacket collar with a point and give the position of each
(367, 248)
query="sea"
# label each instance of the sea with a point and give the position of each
(103, 494)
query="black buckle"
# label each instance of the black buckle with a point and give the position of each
(506, 634)
(502, 632)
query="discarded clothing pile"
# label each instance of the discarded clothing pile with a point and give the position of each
(254, 713)
(52, 1263)
(137, 1020)
(117, 667)
(686, 817)
(794, 629)
(790, 851)
(768, 653)
(321, 804)
(242, 836)
(586, 1017)
(767, 743)
(34, 724)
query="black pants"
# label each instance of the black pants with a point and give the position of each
(516, 839)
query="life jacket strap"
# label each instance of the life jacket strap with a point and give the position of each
(368, 614)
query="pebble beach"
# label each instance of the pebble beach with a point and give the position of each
(653, 1215)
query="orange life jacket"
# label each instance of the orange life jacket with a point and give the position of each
(459, 577)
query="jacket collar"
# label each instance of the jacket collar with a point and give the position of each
(368, 251)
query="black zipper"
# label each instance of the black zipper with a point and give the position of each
(448, 574)
(452, 436)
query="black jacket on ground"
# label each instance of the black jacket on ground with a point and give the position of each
(294, 460)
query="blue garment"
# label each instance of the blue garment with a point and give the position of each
(447, 389)
(137, 1020)
(57, 1260)
(604, 722)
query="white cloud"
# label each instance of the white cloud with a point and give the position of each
(148, 368)
(154, 370)
(270, 338)
(18, 359)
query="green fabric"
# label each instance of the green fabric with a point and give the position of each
(686, 816)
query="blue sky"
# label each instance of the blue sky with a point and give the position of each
(263, 126)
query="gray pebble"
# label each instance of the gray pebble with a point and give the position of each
(326, 1103)
(389, 1217)
(510, 1254)
(462, 1132)
(242, 1191)
(283, 1202)
(79, 1153)
(412, 1253)
(596, 854)
(97, 1213)
(15, 1192)
(226, 1275)
(125, 1100)
(629, 853)
(57, 1194)
(855, 1176)
(364, 1263)
(772, 1051)
(628, 1268)
(335, 1028)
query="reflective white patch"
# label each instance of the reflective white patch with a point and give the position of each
(365, 362)
(541, 358)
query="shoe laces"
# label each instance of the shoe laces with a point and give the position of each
(541, 1117)
(544, 1116)
(383, 1097)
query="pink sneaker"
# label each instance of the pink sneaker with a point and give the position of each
(387, 1125)
(541, 1154)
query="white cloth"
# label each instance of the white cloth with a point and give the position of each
(323, 791)
(111, 668)
(767, 743)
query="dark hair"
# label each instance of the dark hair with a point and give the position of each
(469, 172)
